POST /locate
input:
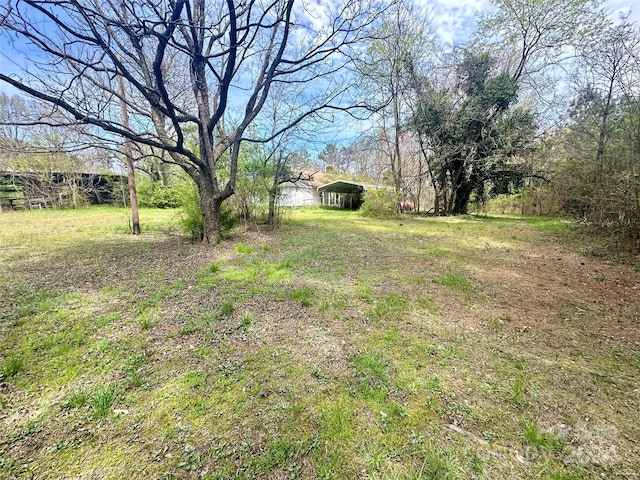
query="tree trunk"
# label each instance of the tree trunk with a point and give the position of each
(133, 196)
(602, 138)
(462, 197)
(74, 195)
(271, 217)
(210, 204)
(128, 154)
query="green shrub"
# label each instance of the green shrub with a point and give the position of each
(228, 218)
(157, 195)
(381, 203)
(191, 215)
(191, 218)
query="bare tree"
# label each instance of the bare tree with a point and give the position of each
(203, 65)
(402, 42)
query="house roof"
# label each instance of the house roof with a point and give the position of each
(346, 186)
(323, 183)
(317, 179)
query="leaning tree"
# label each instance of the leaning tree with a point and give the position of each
(181, 66)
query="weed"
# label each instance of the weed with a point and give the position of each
(336, 301)
(425, 302)
(303, 295)
(229, 368)
(495, 324)
(77, 399)
(135, 379)
(144, 321)
(38, 302)
(455, 281)
(517, 391)
(337, 421)
(439, 252)
(240, 248)
(132, 368)
(436, 464)
(371, 371)
(103, 399)
(106, 319)
(245, 321)
(391, 415)
(370, 365)
(540, 439)
(190, 328)
(600, 278)
(279, 453)
(227, 308)
(433, 384)
(11, 366)
(319, 373)
(193, 460)
(391, 306)
(213, 268)
(365, 293)
(416, 280)
(247, 274)
(194, 378)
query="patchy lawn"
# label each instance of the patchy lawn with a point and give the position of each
(337, 347)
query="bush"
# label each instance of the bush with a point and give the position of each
(381, 203)
(191, 212)
(191, 215)
(157, 195)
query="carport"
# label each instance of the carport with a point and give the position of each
(342, 194)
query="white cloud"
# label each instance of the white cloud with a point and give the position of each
(622, 7)
(454, 21)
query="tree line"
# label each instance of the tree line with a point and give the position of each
(545, 95)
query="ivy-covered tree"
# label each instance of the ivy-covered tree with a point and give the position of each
(471, 132)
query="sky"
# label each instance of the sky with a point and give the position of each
(455, 20)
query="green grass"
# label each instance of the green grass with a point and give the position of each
(370, 370)
(77, 399)
(455, 281)
(243, 248)
(390, 306)
(102, 399)
(338, 347)
(10, 366)
(540, 439)
(227, 308)
(304, 295)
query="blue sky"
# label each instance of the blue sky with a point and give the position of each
(454, 20)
